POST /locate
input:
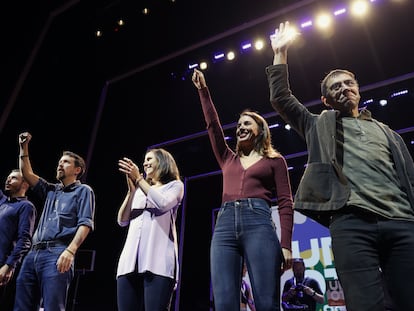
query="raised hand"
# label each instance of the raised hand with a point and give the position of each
(198, 79)
(280, 41)
(24, 138)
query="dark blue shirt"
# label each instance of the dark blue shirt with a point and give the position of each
(301, 298)
(17, 220)
(65, 209)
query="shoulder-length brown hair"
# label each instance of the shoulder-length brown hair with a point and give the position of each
(167, 169)
(263, 142)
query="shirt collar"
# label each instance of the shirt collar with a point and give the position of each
(16, 199)
(365, 114)
(69, 187)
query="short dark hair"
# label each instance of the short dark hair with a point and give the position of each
(17, 170)
(333, 73)
(298, 260)
(79, 161)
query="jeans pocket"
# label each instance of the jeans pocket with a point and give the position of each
(220, 212)
(261, 210)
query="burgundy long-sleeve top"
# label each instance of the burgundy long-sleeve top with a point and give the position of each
(264, 179)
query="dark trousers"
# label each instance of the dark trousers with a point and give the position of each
(149, 292)
(7, 294)
(367, 248)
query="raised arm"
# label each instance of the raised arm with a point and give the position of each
(198, 79)
(24, 162)
(280, 40)
(215, 131)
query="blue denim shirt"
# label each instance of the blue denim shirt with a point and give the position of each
(65, 209)
(17, 220)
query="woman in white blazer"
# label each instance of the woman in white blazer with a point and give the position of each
(148, 265)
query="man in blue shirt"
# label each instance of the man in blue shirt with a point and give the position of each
(65, 222)
(17, 220)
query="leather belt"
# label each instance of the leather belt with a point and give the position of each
(246, 202)
(47, 244)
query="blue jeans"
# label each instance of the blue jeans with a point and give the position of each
(39, 278)
(244, 230)
(363, 245)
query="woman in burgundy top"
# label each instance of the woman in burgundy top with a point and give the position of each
(252, 175)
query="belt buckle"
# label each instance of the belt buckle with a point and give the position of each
(38, 246)
(44, 245)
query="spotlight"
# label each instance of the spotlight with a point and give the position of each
(259, 44)
(203, 65)
(231, 55)
(359, 8)
(323, 21)
(383, 102)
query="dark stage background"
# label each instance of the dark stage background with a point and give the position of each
(117, 95)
